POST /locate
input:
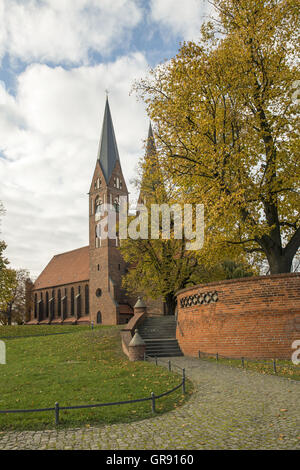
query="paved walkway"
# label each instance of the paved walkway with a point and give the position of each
(231, 409)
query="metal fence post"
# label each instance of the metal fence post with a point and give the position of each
(183, 381)
(217, 356)
(274, 366)
(155, 360)
(243, 363)
(169, 366)
(145, 356)
(56, 413)
(199, 354)
(153, 402)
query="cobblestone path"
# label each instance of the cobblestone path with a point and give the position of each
(231, 409)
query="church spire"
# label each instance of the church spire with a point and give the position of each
(150, 149)
(152, 186)
(108, 151)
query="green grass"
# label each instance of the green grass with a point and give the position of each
(284, 368)
(83, 367)
(34, 330)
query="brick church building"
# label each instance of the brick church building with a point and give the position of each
(85, 285)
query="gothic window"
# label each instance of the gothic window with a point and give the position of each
(98, 236)
(47, 305)
(78, 305)
(40, 308)
(117, 204)
(98, 208)
(99, 318)
(35, 305)
(118, 183)
(72, 302)
(53, 304)
(64, 305)
(59, 303)
(87, 302)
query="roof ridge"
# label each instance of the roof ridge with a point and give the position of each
(70, 251)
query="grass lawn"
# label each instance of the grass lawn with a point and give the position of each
(82, 367)
(284, 368)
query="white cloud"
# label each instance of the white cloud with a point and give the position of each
(182, 18)
(51, 131)
(64, 30)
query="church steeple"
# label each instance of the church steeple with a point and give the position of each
(152, 186)
(108, 153)
(150, 149)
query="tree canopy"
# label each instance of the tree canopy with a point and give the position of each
(225, 114)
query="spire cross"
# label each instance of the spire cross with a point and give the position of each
(107, 92)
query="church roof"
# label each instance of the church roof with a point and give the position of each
(65, 268)
(108, 151)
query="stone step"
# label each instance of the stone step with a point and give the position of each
(159, 334)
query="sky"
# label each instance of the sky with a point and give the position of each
(57, 58)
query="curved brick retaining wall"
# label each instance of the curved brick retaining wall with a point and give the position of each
(257, 317)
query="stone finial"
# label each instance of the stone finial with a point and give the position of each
(136, 348)
(137, 340)
(140, 303)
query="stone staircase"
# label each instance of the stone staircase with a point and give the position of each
(159, 334)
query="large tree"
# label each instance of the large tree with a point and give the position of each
(159, 267)
(15, 309)
(226, 119)
(7, 276)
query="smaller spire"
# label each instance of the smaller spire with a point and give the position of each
(150, 149)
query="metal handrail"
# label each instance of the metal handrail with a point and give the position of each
(57, 408)
(243, 359)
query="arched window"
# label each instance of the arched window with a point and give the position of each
(117, 204)
(99, 318)
(78, 305)
(35, 305)
(64, 305)
(47, 305)
(41, 308)
(53, 304)
(72, 302)
(59, 303)
(98, 205)
(98, 236)
(87, 301)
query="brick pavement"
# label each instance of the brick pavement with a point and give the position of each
(230, 409)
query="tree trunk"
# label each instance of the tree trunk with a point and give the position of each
(170, 300)
(8, 313)
(279, 263)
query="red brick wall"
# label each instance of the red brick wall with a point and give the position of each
(253, 317)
